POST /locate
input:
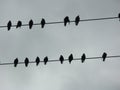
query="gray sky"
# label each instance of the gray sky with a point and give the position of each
(92, 38)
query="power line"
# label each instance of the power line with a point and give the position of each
(67, 59)
(60, 22)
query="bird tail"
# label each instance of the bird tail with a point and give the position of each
(15, 65)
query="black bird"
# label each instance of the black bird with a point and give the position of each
(30, 24)
(83, 57)
(119, 16)
(19, 24)
(104, 56)
(77, 20)
(61, 59)
(66, 20)
(26, 62)
(43, 23)
(45, 60)
(9, 25)
(15, 62)
(37, 61)
(70, 58)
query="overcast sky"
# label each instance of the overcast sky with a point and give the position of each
(92, 38)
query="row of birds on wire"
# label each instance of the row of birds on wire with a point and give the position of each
(61, 59)
(43, 22)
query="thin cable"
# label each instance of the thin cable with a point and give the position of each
(82, 20)
(57, 60)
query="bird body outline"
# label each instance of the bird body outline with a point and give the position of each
(45, 60)
(70, 58)
(77, 20)
(43, 23)
(31, 24)
(19, 24)
(15, 62)
(9, 25)
(104, 56)
(61, 59)
(66, 20)
(26, 61)
(37, 61)
(83, 57)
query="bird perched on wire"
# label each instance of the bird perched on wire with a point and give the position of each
(70, 58)
(26, 62)
(66, 20)
(83, 57)
(61, 59)
(19, 24)
(15, 62)
(37, 61)
(9, 25)
(77, 20)
(30, 24)
(43, 23)
(104, 55)
(119, 16)
(45, 60)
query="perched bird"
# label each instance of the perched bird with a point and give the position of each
(66, 20)
(30, 24)
(19, 24)
(61, 59)
(26, 62)
(43, 23)
(9, 25)
(37, 61)
(15, 62)
(45, 60)
(104, 56)
(83, 57)
(70, 58)
(77, 20)
(119, 16)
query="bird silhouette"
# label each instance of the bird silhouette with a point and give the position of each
(43, 23)
(77, 20)
(61, 59)
(104, 56)
(70, 58)
(9, 25)
(66, 20)
(26, 62)
(119, 16)
(37, 61)
(45, 60)
(83, 57)
(19, 24)
(30, 24)
(15, 62)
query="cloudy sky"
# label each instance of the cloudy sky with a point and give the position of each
(92, 38)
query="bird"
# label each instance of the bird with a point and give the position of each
(9, 25)
(37, 61)
(45, 60)
(66, 20)
(104, 55)
(77, 20)
(26, 62)
(19, 24)
(70, 58)
(119, 16)
(61, 59)
(83, 57)
(30, 24)
(15, 62)
(43, 23)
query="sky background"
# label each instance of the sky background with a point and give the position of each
(91, 38)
